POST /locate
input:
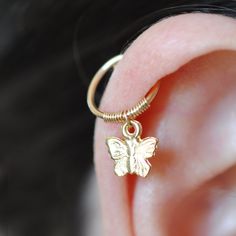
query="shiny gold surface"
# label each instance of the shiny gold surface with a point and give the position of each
(131, 153)
(121, 116)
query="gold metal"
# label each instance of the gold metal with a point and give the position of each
(121, 116)
(131, 153)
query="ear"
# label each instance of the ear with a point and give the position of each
(193, 117)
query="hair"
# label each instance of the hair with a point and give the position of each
(49, 51)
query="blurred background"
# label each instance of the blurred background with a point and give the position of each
(49, 51)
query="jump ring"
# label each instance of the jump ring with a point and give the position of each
(136, 126)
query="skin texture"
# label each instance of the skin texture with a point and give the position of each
(191, 189)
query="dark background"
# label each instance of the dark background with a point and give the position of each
(48, 52)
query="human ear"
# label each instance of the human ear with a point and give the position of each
(194, 117)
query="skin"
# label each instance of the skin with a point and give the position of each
(191, 189)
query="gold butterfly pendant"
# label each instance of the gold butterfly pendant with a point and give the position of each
(131, 153)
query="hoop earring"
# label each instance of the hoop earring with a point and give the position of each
(130, 153)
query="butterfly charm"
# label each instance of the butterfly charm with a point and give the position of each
(131, 153)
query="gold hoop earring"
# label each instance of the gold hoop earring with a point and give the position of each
(130, 153)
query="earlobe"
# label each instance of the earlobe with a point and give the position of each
(186, 118)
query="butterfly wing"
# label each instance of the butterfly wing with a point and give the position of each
(144, 150)
(118, 151)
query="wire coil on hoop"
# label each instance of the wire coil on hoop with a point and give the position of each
(131, 113)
